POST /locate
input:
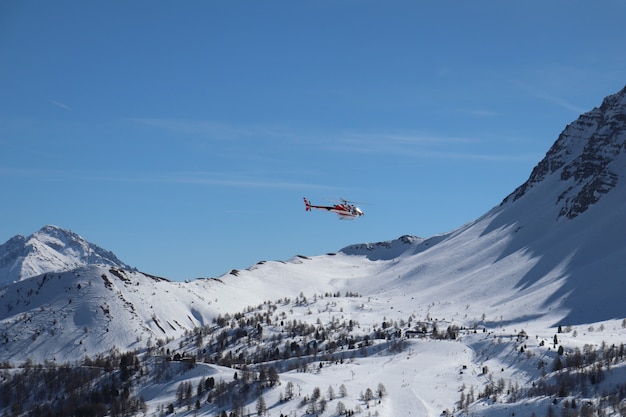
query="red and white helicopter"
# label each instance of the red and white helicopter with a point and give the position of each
(344, 209)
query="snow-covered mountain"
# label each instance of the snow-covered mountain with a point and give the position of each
(553, 253)
(51, 249)
(587, 158)
(559, 238)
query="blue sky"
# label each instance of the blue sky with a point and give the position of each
(182, 136)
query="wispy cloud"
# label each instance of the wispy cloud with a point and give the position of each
(424, 146)
(444, 155)
(484, 157)
(191, 178)
(401, 138)
(190, 127)
(479, 112)
(413, 144)
(216, 129)
(59, 104)
(561, 102)
(44, 174)
(554, 99)
(218, 179)
(305, 135)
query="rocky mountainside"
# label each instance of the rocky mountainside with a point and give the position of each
(51, 249)
(588, 158)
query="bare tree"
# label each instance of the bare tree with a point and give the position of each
(261, 407)
(289, 391)
(330, 393)
(381, 391)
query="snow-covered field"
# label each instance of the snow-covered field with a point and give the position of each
(423, 376)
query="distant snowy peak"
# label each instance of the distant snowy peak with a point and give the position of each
(588, 159)
(51, 249)
(392, 249)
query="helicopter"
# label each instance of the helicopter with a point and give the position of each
(344, 209)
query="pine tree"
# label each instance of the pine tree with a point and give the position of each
(272, 376)
(201, 386)
(180, 393)
(209, 384)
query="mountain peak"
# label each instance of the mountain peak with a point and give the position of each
(50, 249)
(56, 235)
(587, 160)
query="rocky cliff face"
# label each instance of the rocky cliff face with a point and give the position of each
(587, 160)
